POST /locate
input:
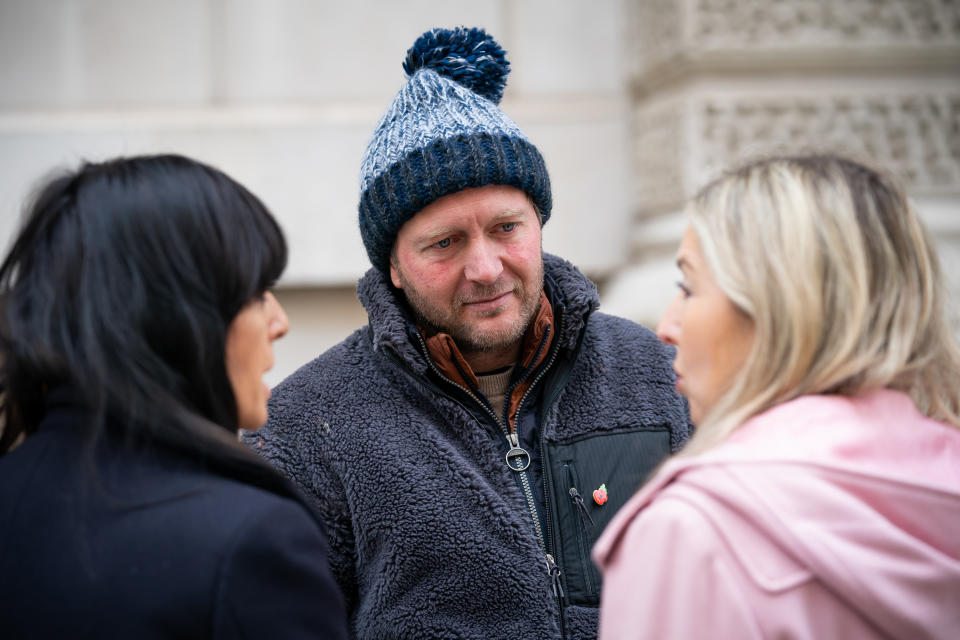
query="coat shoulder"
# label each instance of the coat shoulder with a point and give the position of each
(622, 338)
(624, 376)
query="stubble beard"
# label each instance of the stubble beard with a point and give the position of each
(442, 319)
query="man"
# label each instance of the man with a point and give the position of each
(466, 448)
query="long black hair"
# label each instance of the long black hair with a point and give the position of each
(121, 284)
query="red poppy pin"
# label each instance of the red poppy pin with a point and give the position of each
(600, 495)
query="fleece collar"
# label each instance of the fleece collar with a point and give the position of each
(448, 358)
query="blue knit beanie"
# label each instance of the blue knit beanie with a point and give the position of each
(443, 133)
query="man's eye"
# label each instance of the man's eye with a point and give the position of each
(509, 226)
(443, 244)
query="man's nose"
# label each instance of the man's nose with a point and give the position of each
(483, 263)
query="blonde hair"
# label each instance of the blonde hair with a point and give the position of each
(836, 271)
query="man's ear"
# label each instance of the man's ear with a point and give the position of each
(395, 275)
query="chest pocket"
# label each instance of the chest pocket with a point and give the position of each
(619, 461)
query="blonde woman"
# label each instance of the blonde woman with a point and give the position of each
(820, 495)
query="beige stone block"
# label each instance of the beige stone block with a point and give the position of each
(788, 33)
(307, 50)
(35, 42)
(142, 52)
(105, 53)
(585, 147)
(568, 47)
(304, 171)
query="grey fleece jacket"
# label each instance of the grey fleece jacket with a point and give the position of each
(431, 533)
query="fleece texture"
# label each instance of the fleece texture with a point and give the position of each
(430, 535)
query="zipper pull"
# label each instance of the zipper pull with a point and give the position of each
(517, 458)
(554, 571)
(581, 507)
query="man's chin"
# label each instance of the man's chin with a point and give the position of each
(490, 335)
(500, 320)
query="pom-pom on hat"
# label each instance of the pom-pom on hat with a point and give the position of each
(443, 133)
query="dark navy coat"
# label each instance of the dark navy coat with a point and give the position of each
(147, 544)
(431, 533)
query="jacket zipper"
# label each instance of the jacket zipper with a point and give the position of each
(552, 568)
(548, 547)
(515, 453)
(546, 542)
(581, 508)
(583, 515)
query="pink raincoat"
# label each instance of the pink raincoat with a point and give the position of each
(824, 517)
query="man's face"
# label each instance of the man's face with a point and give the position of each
(470, 265)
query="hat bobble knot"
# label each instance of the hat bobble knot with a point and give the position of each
(469, 57)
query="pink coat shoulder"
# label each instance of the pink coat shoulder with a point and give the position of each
(687, 570)
(828, 505)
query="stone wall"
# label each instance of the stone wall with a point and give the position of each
(283, 95)
(634, 104)
(716, 82)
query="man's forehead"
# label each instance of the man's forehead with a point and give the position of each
(489, 203)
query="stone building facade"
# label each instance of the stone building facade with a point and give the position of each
(634, 104)
(716, 82)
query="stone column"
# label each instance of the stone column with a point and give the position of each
(716, 82)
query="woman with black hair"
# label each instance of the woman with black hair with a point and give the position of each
(136, 324)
